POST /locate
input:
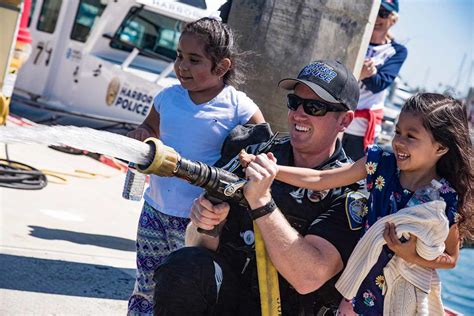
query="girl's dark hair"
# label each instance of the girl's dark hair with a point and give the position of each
(219, 44)
(446, 119)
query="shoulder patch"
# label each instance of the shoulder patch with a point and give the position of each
(356, 209)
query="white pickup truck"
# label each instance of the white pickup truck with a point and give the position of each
(103, 59)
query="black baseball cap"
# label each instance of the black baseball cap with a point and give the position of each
(330, 80)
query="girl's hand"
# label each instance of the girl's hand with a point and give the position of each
(140, 134)
(345, 308)
(245, 158)
(407, 250)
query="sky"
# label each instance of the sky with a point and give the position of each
(439, 36)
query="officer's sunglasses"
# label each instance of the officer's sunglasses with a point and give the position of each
(383, 13)
(312, 107)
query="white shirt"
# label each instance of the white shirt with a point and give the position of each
(196, 132)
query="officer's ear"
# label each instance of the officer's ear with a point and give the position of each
(345, 118)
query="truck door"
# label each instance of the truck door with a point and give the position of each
(82, 18)
(45, 29)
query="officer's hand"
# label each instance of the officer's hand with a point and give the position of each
(205, 215)
(260, 174)
(140, 134)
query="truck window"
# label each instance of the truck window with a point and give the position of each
(88, 12)
(150, 32)
(32, 10)
(49, 15)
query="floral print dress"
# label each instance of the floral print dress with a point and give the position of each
(387, 196)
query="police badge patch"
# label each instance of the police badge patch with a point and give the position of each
(356, 209)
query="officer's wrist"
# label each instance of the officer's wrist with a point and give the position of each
(261, 211)
(259, 202)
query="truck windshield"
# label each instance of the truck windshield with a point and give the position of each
(150, 32)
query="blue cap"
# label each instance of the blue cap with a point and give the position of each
(331, 80)
(390, 5)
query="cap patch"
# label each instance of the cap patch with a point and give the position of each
(319, 70)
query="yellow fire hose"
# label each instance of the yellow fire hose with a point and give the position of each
(270, 303)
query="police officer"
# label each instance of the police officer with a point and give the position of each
(308, 235)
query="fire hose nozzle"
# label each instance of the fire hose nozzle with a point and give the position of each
(165, 159)
(220, 184)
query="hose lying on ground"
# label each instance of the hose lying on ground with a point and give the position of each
(17, 175)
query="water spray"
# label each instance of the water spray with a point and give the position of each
(149, 157)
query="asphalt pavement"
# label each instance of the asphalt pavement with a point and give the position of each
(68, 249)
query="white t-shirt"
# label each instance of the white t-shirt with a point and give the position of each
(196, 132)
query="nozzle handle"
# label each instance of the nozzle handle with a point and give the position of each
(216, 231)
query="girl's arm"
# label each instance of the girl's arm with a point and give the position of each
(150, 127)
(407, 250)
(321, 180)
(257, 118)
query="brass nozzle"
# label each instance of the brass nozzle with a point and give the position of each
(164, 161)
